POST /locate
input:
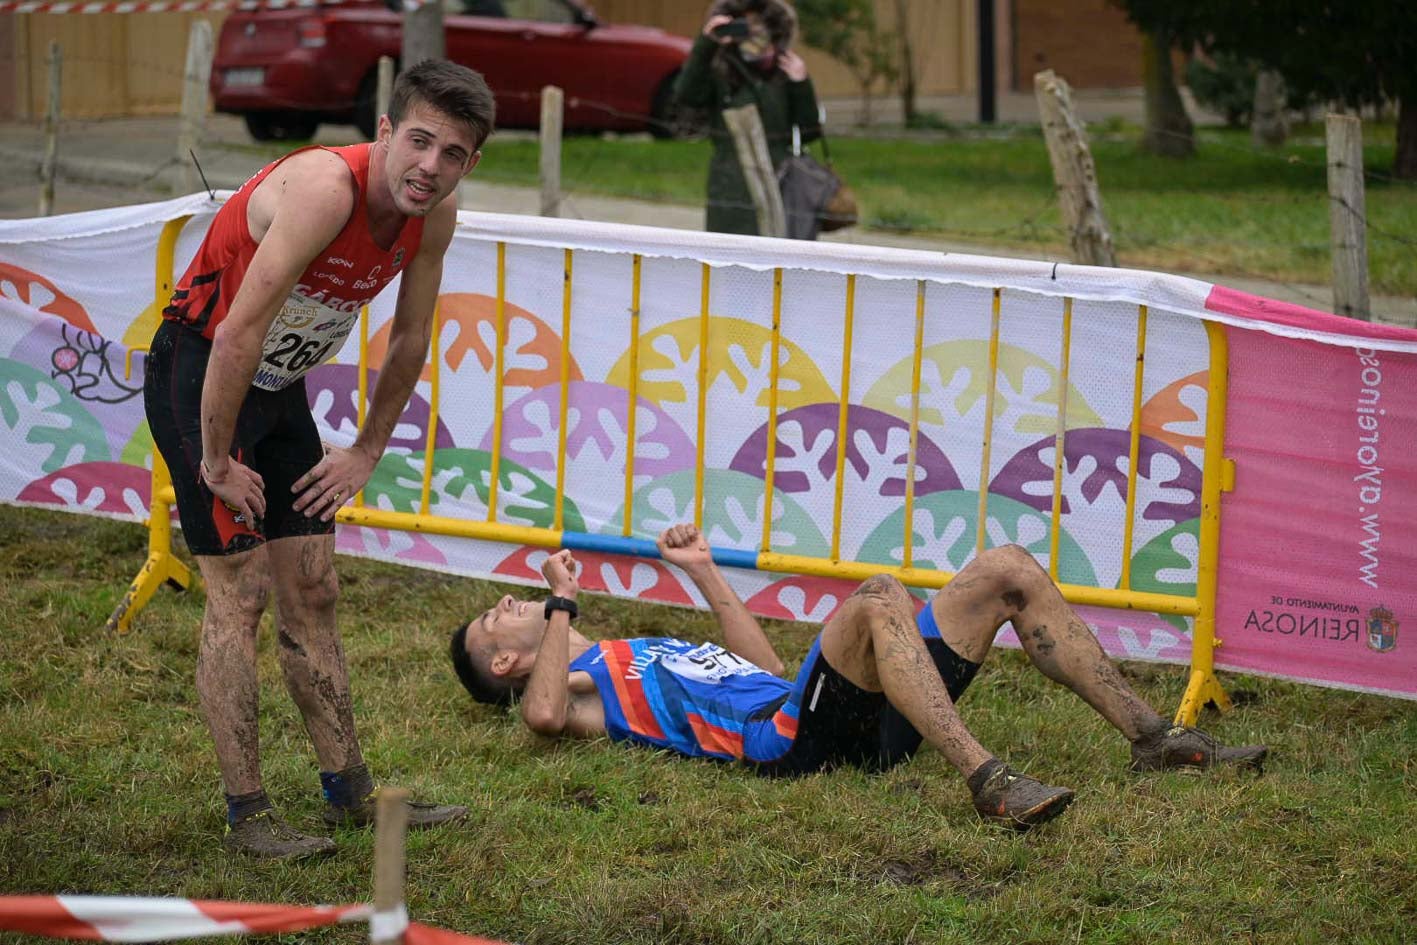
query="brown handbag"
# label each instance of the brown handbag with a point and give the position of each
(840, 211)
(814, 196)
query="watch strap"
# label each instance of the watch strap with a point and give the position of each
(554, 603)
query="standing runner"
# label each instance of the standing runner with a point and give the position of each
(275, 288)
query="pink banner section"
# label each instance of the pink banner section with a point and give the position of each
(1318, 569)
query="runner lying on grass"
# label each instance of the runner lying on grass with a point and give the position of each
(876, 681)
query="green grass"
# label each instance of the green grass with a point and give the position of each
(1232, 210)
(108, 785)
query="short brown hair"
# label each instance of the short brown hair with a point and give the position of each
(476, 678)
(456, 91)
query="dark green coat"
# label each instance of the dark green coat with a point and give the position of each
(781, 102)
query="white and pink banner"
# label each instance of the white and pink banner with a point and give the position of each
(1319, 536)
(147, 919)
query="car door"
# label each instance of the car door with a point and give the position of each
(537, 43)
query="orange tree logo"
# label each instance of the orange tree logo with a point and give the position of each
(34, 290)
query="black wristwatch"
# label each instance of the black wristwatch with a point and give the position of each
(554, 603)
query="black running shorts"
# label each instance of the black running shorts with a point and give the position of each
(841, 723)
(275, 435)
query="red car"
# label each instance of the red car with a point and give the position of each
(285, 71)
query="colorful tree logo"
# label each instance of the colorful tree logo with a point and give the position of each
(738, 368)
(35, 291)
(532, 356)
(877, 453)
(461, 488)
(733, 513)
(945, 529)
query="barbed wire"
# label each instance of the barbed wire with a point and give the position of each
(1028, 226)
(1368, 224)
(1290, 159)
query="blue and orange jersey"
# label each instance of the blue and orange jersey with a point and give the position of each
(697, 699)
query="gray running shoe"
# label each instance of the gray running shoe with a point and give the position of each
(266, 836)
(1184, 747)
(1016, 800)
(420, 815)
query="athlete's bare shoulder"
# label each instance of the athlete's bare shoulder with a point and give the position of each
(315, 187)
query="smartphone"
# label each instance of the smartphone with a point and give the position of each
(733, 29)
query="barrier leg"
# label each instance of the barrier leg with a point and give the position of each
(1218, 477)
(162, 565)
(1203, 687)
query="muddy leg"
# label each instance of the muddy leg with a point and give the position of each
(874, 642)
(311, 653)
(1061, 645)
(227, 687)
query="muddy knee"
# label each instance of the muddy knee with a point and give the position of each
(1013, 575)
(236, 602)
(885, 588)
(309, 592)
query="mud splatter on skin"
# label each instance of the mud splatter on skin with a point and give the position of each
(1014, 599)
(1045, 642)
(226, 687)
(288, 643)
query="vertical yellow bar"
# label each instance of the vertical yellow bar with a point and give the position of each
(909, 554)
(772, 407)
(497, 381)
(634, 394)
(842, 415)
(703, 400)
(989, 398)
(431, 447)
(1064, 361)
(362, 407)
(1203, 686)
(1132, 454)
(565, 395)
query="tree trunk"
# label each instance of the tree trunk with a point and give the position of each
(1405, 164)
(907, 62)
(1268, 126)
(1169, 131)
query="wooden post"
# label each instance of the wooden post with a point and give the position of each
(423, 33)
(1347, 216)
(384, 92)
(751, 143)
(51, 131)
(194, 101)
(390, 822)
(1073, 172)
(552, 100)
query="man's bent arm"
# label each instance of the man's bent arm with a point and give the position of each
(742, 633)
(410, 332)
(547, 699)
(314, 204)
(686, 547)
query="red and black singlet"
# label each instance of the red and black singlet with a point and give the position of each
(324, 305)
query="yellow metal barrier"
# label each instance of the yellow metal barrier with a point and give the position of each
(162, 565)
(1203, 687)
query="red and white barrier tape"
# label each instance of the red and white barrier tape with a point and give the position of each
(142, 919)
(155, 6)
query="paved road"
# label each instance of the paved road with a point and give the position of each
(122, 161)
